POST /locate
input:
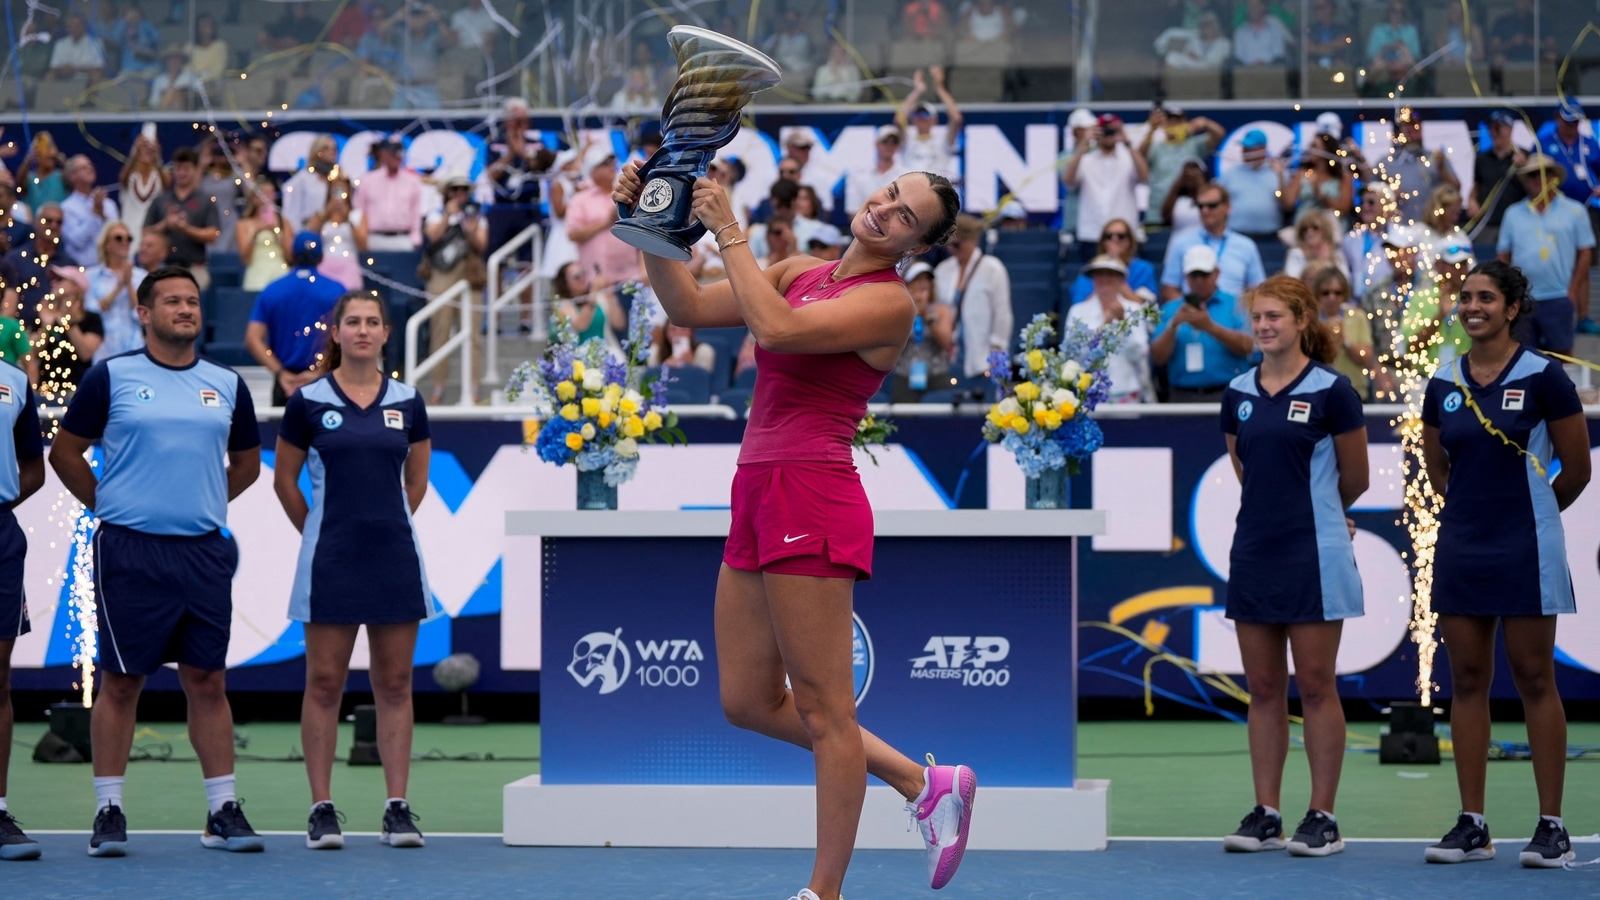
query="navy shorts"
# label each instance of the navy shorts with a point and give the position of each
(13, 603)
(163, 598)
(1550, 325)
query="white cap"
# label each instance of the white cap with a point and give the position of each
(1402, 237)
(597, 155)
(1199, 258)
(1330, 123)
(1013, 210)
(827, 235)
(1105, 262)
(917, 269)
(1081, 118)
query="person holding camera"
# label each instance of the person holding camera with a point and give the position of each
(1106, 176)
(1202, 338)
(457, 236)
(1182, 139)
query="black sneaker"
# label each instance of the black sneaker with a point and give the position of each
(400, 826)
(1550, 848)
(13, 843)
(1316, 835)
(1258, 831)
(322, 829)
(110, 836)
(227, 829)
(1467, 842)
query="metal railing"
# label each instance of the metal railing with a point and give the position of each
(496, 299)
(461, 293)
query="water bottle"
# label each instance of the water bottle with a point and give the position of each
(918, 379)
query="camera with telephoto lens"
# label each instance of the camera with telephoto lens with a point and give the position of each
(471, 208)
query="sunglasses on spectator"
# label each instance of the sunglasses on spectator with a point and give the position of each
(1117, 235)
(120, 238)
(1210, 204)
(788, 171)
(49, 220)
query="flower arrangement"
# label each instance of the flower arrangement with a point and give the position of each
(872, 432)
(599, 407)
(1043, 417)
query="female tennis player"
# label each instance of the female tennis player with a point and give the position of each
(1299, 445)
(366, 439)
(827, 334)
(1501, 558)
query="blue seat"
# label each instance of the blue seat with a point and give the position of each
(746, 380)
(727, 342)
(736, 398)
(690, 384)
(225, 324)
(226, 269)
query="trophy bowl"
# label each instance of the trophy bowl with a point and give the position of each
(717, 77)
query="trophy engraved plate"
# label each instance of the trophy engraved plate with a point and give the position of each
(717, 76)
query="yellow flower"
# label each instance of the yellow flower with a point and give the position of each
(1068, 407)
(577, 370)
(1084, 381)
(587, 431)
(1036, 360)
(574, 441)
(633, 427)
(605, 419)
(565, 391)
(1027, 392)
(1020, 425)
(570, 412)
(627, 407)
(1046, 418)
(591, 406)
(998, 418)
(652, 420)
(613, 392)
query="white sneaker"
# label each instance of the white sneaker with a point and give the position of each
(943, 813)
(807, 894)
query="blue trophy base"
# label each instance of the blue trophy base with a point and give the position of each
(651, 240)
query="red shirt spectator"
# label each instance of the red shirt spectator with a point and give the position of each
(925, 20)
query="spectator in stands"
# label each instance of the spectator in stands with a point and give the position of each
(186, 216)
(636, 94)
(1180, 210)
(344, 235)
(1562, 139)
(253, 155)
(1548, 236)
(355, 22)
(411, 42)
(924, 20)
(77, 53)
(780, 207)
(988, 22)
(39, 178)
(797, 146)
(295, 27)
(1325, 181)
(790, 47)
(976, 288)
(173, 88)
(136, 41)
(1441, 227)
(65, 336)
(455, 232)
(780, 241)
(208, 54)
(1238, 259)
(1393, 45)
(1495, 184)
(1261, 40)
(1363, 246)
(219, 182)
(390, 198)
(1461, 44)
(288, 324)
(590, 215)
(925, 151)
(588, 304)
(925, 361)
(112, 288)
(1385, 305)
(839, 80)
(1183, 139)
(1431, 330)
(1328, 38)
(1316, 246)
(1112, 301)
(1348, 323)
(1081, 124)
(305, 192)
(154, 248)
(1511, 39)
(1202, 48)
(1413, 169)
(728, 172)
(826, 242)
(15, 218)
(1012, 217)
(564, 184)
(87, 209)
(862, 181)
(1255, 187)
(103, 18)
(676, 346)
(263, 241)
(808, 213)
(1106, 174)
(477, 30)
(516, 175)
(1202, 338)
(1138, 279)
(789, 174)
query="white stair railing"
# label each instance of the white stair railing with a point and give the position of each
(459, 293)
(496, 299)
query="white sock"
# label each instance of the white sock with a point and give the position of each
(2, 804)
(1477, 818)
(1273, 812)
(327, 803)
(1327, 814)
(1554, 820)
(108, 792)
(393, 800)
(219, 790)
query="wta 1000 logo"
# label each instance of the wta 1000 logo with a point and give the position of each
(970, 661)
(602, 660)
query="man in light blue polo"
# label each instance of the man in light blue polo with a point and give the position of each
(1238, 259)
(1202, 340)
(165, 420)
(1548, 236)
(1257, 186)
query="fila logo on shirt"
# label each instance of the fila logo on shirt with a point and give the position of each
(1299, 411)
(5, 394)
(210, 398)
(1511, 400)
(394, 418)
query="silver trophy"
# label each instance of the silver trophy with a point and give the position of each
(717, 76)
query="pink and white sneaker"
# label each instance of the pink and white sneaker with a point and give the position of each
(942, 812)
